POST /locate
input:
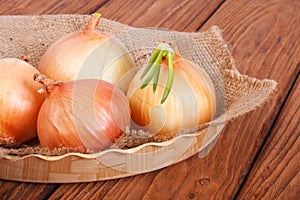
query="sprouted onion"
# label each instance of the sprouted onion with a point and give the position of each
(19, 101)
(89, 54)
(171, 93)
(86, 114)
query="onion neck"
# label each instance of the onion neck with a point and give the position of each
(163, 51)
(48, 84)
(93, 23)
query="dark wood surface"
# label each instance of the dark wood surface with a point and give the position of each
(257, 156)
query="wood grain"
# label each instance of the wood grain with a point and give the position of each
(176, 15)
(276, 173)
(16, 190)
(30, 7)
(103, 190)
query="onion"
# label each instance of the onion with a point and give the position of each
(19, 102)
(89, 54)
(187, 99)
(84, 114)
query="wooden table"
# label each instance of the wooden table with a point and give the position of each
(257, 155)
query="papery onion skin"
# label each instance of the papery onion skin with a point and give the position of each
(70, 57)
(191, 102)
(19, 101)
(84, 114)
(73, 49)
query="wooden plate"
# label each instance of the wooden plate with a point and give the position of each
(109, 164)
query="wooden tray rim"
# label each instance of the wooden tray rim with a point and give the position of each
(99, 154)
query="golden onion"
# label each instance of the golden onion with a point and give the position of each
(19, 101)
(88, 54)
(188, 99)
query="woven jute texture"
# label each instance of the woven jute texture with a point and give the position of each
(237, 94)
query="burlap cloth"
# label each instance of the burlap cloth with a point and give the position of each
(237, 94)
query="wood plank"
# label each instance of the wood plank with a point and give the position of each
(30, 7)
(259, 33)
(16, 190)
(176, 15)
(276, 173)
(102, 190)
